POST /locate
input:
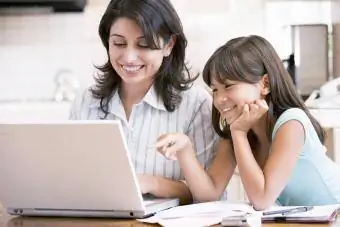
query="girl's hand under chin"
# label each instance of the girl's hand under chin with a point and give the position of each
(250, 114)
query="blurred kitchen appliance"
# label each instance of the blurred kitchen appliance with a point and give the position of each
(310, 56)
(327, 96)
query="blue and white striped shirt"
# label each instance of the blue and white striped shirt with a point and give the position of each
(149, 119)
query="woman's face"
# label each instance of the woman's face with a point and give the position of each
(129, 54)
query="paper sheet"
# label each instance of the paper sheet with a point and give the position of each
(210, 213)
(206, 208)
(192, 222)
(200, 214)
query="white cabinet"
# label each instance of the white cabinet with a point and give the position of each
(30, 111)
(333, 143)
(329, 119)
(236, 192)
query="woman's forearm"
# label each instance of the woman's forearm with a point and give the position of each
(167, 188)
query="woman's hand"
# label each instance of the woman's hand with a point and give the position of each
(172, 144)
(147, 183)
(250, 114)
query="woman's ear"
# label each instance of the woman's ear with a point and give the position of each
(169, 46)
(265, 88)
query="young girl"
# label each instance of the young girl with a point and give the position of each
(267, 132)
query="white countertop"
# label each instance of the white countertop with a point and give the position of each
(328, 118)
(47, 110)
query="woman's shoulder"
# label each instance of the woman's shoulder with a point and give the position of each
(194, 99)
(85, 98)
(198, 93)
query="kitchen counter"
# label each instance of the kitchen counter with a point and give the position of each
(327, 117)
(34, 110)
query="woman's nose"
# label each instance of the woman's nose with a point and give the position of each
(130, 55)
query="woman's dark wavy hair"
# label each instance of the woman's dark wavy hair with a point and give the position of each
(247, 59)
(157, 19)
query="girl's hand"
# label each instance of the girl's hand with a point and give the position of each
(231, 115)
(250, 114)
(171, 145)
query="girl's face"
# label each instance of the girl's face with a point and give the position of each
(130, 55)
(231, 94)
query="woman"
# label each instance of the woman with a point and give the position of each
(146, 85)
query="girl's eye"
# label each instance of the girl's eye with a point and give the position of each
(228, 86)
(213, 89)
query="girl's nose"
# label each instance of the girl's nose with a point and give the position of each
(221, 99)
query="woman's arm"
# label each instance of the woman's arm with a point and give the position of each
(165, 188)
(264, 186)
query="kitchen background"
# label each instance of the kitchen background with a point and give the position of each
(46, 58)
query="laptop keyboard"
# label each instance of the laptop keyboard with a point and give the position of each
(148, 202)
(149, 199)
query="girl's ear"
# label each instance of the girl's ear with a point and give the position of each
(265, 89)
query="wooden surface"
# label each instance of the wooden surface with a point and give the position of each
(9, 221)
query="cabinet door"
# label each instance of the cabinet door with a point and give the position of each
(336, 145)
(332, 143)
(235, 189)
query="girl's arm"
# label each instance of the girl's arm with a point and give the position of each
(263, 187)
(204, 185)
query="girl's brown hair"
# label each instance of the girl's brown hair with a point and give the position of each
(247, 59)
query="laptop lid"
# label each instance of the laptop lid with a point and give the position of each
(68, 168)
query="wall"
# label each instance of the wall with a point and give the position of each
(209, 24)
(35, 48)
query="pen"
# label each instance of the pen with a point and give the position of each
(289, 211)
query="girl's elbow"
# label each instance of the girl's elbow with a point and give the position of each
(260, 207)
(260, 204)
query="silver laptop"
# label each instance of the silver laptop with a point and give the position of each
(70, 168)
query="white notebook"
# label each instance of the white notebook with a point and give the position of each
(318, 214)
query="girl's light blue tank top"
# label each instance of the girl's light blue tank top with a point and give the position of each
(316, 178)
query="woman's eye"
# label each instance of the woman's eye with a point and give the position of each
(143, 45)
(119, 44)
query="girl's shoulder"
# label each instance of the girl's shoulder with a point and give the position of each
(292, 114)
